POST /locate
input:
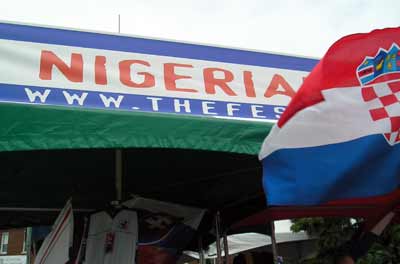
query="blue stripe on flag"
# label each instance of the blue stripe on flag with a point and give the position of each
(364, 167)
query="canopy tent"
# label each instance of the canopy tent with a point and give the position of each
(33, 127)
(69, 154)
(252, 241)
(194, 146)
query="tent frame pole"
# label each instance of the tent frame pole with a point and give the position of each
(273, 242)
(226, 248)
(201, 251)
(28, 244)
(218, 237)
(118, 174)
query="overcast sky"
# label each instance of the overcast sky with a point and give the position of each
(303, 27)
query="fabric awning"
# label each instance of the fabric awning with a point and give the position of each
(32, 127)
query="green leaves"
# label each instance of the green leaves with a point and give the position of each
(334, 233)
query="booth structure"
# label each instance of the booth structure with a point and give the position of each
(101, 117)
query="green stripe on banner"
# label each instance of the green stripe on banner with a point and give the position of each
(39, 127)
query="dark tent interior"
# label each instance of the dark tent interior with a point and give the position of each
(216, 181)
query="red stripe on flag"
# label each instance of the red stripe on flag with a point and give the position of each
(338, 68)
(368, 207)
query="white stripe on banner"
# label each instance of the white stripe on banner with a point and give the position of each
(95, 78)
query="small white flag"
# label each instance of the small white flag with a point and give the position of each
(55, 247)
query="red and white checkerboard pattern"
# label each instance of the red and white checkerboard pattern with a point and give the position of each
(384, 105)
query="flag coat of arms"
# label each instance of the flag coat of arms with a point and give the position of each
(339, 137)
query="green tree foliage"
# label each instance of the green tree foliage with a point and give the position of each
(334, 233)
(387, 251)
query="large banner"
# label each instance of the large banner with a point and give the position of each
(60, 67)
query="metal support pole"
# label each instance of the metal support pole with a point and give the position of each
(273, 242)
(226, 248)
(218, 238)
(119, 23)
(118, 174)
(201, 251)
(28, 245)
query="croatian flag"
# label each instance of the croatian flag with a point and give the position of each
(338, 138)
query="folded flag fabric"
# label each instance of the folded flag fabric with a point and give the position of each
(56, 245)
(165, 229)
(338, 138)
